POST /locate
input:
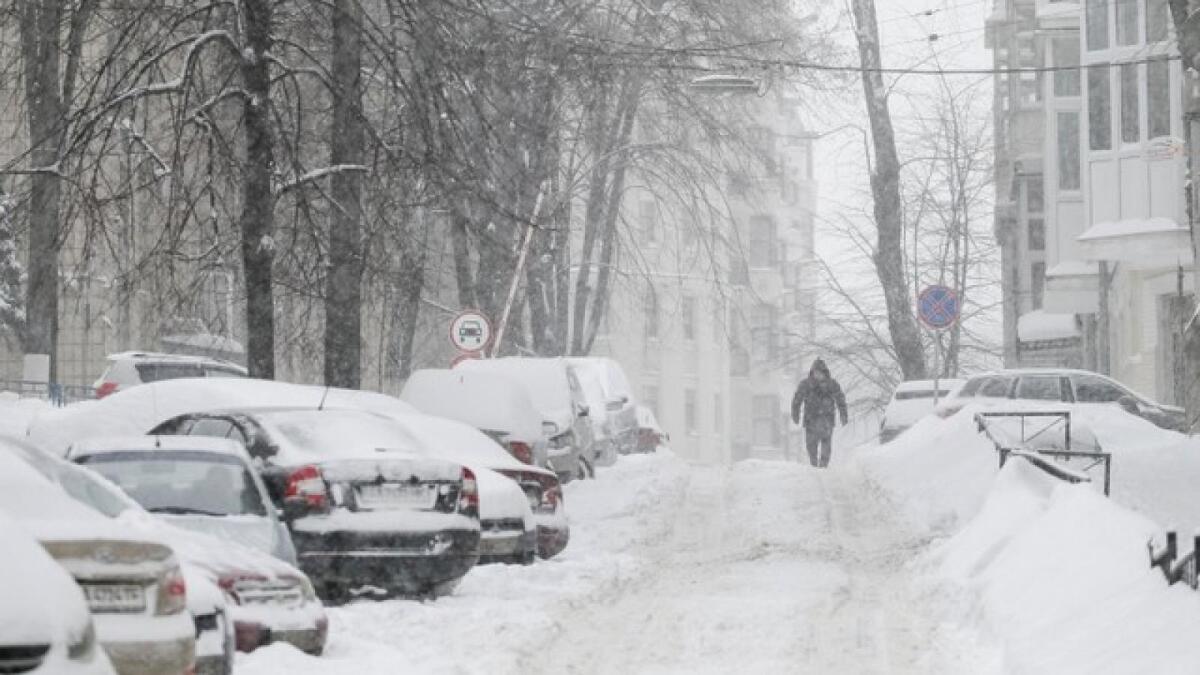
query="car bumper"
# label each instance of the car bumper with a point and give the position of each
(395, 562)
(552, 539)
(506, 545)
(163, 644)
(252, 635)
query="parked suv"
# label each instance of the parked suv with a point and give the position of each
(1065, 385)
(368, 511)
(129, 369)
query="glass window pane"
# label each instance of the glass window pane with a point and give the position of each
(1130, 109)
(1097, 24)
(1068, 151)
(1157, 20)
(1158, 98)
(1040, 388)
(1091, 389)
(1035, 196)
(1099, 108)
(1037, 283)
(1127, 22)
(1037, 234)
(1066, 53)
(689, 318)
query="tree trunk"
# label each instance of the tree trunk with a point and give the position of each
(40, 48)
(343, 280)
(885, 188)
(257, 218)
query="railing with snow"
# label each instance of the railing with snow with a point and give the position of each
(55, 393)
(1175, 570)
(1033, 426)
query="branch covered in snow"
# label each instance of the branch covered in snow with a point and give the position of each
(318, 174)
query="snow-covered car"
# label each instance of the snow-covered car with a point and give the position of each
(268, 599)
(128, 369)
(911, 401)
(197, 482)
(650, 435)
(559, 398)
(133, 585)
(45, 626)
(610, 400)
(368, 511)
(501, 507)
(1063, 385)
(496, 405)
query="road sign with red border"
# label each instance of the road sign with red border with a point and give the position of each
(938, 307)
(470, 331)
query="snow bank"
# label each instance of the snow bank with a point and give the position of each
(1060, 576)
(16, 414)
(501, 614)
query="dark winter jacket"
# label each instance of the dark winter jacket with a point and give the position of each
(819, 398)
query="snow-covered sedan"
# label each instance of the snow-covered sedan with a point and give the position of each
(45, 626)
(368, 511)
(268, 600)
(910, 402)
(196, 482)
(133, 585)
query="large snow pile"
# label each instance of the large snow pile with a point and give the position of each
(1057, 573)
(500, 614)
(16, 414)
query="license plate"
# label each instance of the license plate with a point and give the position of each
(115, 597)
(396, 496)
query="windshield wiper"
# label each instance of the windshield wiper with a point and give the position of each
(184, 510)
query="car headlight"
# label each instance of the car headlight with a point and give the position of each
(80, 647)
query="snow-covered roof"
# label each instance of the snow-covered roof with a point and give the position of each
(206, 341)
(483, 400)
(1125, 228)
(1074, 268)
(927, 385)
(107, 444)
(1142, 242)
(1042, 325)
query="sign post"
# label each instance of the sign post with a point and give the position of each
(470, 333)
(938, 308)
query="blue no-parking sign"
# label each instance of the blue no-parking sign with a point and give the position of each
(938, 307)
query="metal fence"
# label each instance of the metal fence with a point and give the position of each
(1032, 441)
(53, 392)
(1176, 569)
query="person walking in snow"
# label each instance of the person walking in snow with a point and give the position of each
(819, 395)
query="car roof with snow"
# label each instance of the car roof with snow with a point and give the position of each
(484, 400)
(163, 357)
(927, 385)
(159, 443)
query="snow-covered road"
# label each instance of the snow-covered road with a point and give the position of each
(759, 567)
(769, 568)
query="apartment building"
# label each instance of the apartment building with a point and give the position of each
(712, 321)
(1091, 188)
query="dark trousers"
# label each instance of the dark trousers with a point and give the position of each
(815, 440)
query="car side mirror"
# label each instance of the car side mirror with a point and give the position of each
(1129, 405)
(260, 447)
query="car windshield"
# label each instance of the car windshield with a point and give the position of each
(182, 482)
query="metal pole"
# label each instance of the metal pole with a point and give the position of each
(516, 279)
(937, 369)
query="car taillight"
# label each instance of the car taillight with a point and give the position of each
(522, 451)
(172, 592)
(468, 498)
(105, 389)
(552, 496)
(307, 485)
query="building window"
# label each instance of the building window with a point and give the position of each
(688, 310)
(1068, 151)
(1037, 234)
(1158, 98)
(1097, 25)
(651, 315)
(1131, 112)
(762, 242)
(739, 361)
(1035, 194)
(650, 398)
(766, 421)
(1127, 22)
(1099, 108)
(648, 219)
(1065, 52)
(763, 331)
(1158, 20)
(718, 414)
(689, 410)
(718, 320)
(1037, 283)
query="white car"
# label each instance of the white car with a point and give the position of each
(261, 600)
(496, 405)
(133, 585)
(129, 369)
(45, 626)
(198, 483)
(910, 402)
(611, 404)
(562, 403)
